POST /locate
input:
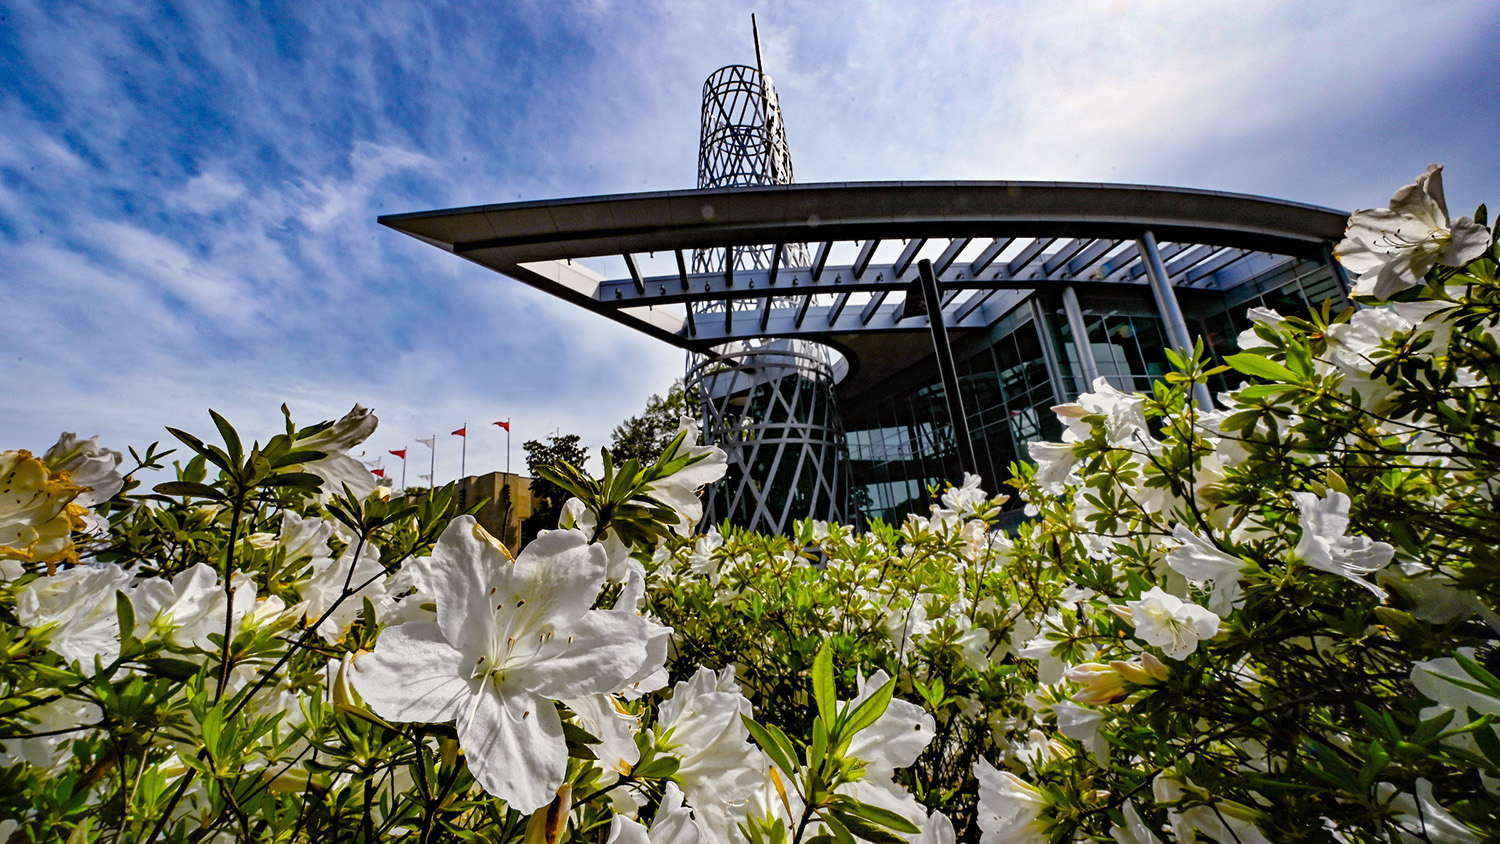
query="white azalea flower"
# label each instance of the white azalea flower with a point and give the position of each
(673, 824)
(509, 640)
(1248, 339)
(1392, 248)
(1435, 595)
(905, 622)
(191, 607)
(1049, 668)
(46, 751)
(1135, 830)
(1101, 683)
(1423, 820)
(1054, 463)
(719, 768)
(895, 740)
(1446, 682)
(965, 499)
(34, 522)
(1082, 724)
(704, 560)
(1170, 623)
(1198, 559)
(1216, 822)
(1324, 546)
(680, 489)
(632, 599)
(577, 516)
(937, 830)
(1124, 416)
(79, 603)
(603, 717)
(1010, 809)
(365, 578)
(95, 469)
(336, 467)
(304, 538)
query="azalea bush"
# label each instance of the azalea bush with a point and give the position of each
(1270, 620)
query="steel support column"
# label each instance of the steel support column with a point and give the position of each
(1081, 345)
(1049, 348)
(1171, 311)
(947, 368)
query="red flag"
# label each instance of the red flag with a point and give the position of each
(399, 452)
(461, 432)
(379, 473)
(505, 424)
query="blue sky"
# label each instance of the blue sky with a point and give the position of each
(188, 193)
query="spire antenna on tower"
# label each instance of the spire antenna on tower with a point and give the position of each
(755, 30)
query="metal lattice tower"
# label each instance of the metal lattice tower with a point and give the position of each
(768, 403)
(771, 406)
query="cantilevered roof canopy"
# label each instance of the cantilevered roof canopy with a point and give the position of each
(989, 243)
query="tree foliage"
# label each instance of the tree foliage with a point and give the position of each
(644, 436)
(547, 498)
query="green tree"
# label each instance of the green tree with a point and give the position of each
(548, 498)
(645, 435)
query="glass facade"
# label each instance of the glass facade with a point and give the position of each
(901, 443)
(901, 446)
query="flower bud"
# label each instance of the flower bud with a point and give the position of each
(1101, 683)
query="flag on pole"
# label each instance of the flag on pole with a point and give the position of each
(379, 473)
(506, 426)
(427, 478)
(429, 442)
(399, 452)
(462, 432)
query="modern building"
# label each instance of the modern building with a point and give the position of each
(856, 343)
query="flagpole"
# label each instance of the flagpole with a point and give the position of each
(432, 467)
(463, 456)
(403, 472)
(507, 446)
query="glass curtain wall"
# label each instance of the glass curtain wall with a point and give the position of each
(901, 446)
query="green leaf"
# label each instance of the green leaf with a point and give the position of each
(865, 829)
(659, 768)
(1478, 672)
(837, 827)
(231, 437)
(1374, 764)
(125, 613)
(819, 746)
(195, 470)
(868, 712)
(171, 668)
(1489, 744)
(292, 458)
(188, 489)
(823, 689)
(302, 480)
(780, 751)
(574, 733)
(884, 817)
(1260, 367)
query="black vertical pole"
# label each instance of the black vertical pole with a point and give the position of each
(947, 368)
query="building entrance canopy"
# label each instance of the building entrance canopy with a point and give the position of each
(988, 243)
